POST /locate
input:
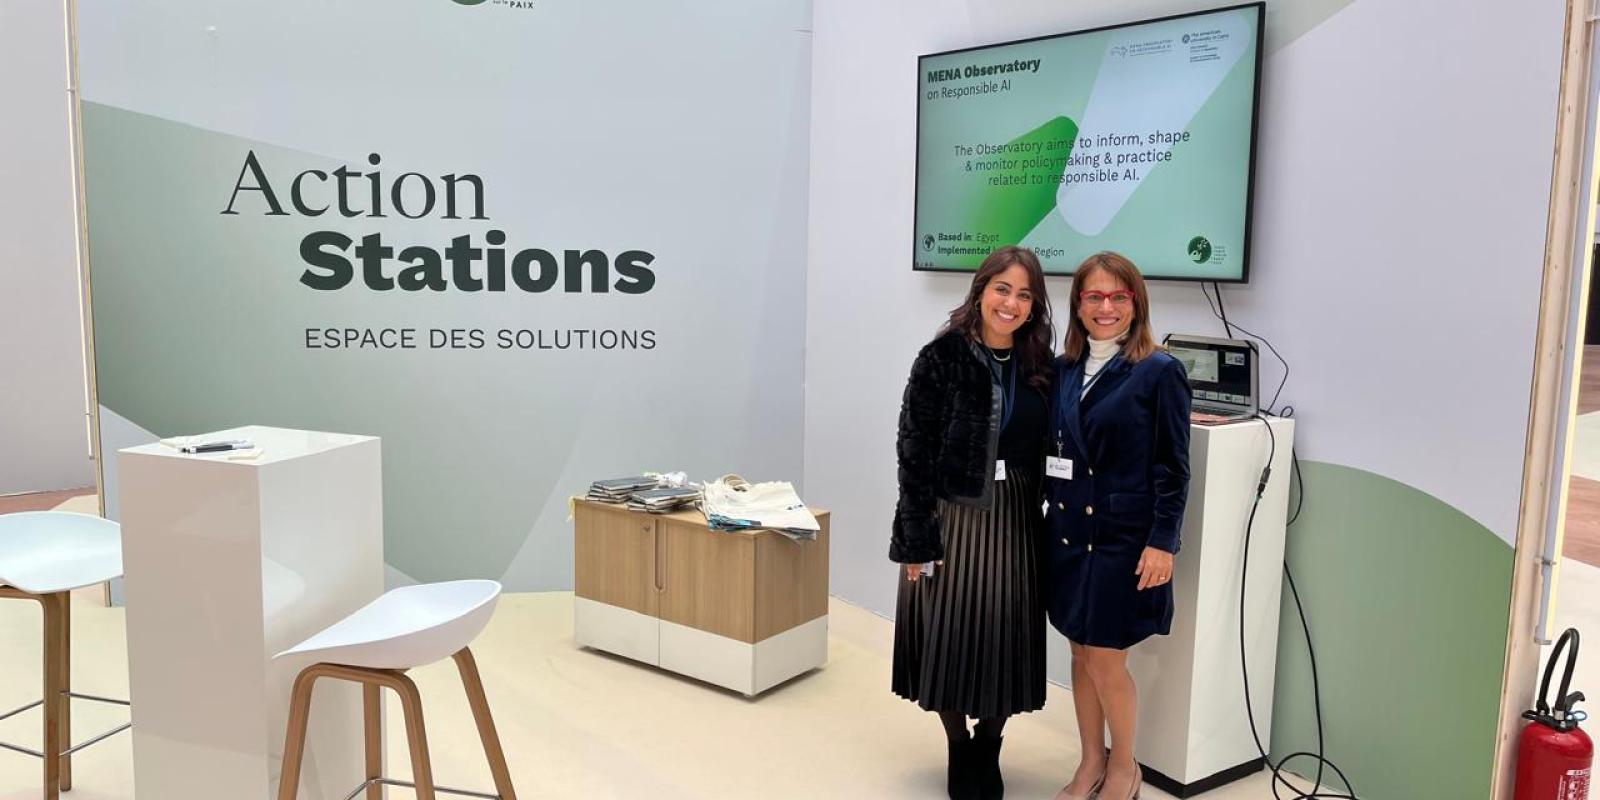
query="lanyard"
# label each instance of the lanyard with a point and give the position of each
(1089, 384)
(1008, 398)
(1061, 405)
(1060, 420)
(1008, 388)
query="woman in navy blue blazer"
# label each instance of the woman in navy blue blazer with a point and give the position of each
(1117, 476)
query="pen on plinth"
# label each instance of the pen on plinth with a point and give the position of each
(217, 447)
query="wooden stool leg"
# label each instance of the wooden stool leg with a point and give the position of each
(372, 706)
(65, 724)
(294, 746)
(479, 701)
(52, 696)
(421, 768)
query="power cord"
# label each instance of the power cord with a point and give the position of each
(1277, 769)
(1279, 781)
(1217, 312)
(1221, 312)
(1287, 412)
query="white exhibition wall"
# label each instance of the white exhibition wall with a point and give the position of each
(636, 173)
(1402, 188)
(44, 439)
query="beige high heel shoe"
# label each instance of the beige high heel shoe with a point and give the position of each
(1094, 791)
(1094, 794)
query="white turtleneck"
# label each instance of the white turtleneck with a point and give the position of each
(1101, 351)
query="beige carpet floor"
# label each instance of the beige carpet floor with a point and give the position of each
(582, 724)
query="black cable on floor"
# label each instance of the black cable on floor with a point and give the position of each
(1322, 761)
(1219, 310)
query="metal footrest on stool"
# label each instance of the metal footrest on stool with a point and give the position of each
(404, 785)
(75, 748)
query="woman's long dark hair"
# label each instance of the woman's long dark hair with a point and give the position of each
(1032, 343)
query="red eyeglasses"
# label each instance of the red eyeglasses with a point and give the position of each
(1120, 297)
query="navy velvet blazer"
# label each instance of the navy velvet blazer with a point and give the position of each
(1128, 440)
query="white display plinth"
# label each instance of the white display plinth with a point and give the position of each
(1193, 729)
(227, 563)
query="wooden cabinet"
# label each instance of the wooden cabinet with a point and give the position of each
(744, 610)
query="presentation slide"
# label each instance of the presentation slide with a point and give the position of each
(1136, 139)
(1199, 365)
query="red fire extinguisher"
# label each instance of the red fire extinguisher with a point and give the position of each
(1554, 755)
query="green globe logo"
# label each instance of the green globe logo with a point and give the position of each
(1199, 250)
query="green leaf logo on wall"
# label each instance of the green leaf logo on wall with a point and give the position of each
(1200, 249)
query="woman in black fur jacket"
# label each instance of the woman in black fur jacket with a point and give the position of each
(969, 626)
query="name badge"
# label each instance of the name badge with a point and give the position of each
(1058, 467)
(1000, 469)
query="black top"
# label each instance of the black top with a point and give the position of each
(1022, 439)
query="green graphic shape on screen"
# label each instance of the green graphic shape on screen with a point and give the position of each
(1028, 190)
(1140, 140)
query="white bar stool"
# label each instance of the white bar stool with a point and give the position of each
(44, 555)
(405, 628)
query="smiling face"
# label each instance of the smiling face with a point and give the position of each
(1105, 305)
(1006, 304)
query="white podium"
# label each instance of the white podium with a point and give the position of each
(227, 563)
(1193, 731)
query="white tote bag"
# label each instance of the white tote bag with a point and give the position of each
(773, 504)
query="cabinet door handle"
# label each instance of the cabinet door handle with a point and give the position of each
(660, 559)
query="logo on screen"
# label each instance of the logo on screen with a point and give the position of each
(1185, 36)
(1199, 250)
(927, 241)
(468, 2)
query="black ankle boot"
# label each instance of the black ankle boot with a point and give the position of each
(986, 769)
(960, 780)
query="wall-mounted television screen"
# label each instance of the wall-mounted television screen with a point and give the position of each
(1138, 138)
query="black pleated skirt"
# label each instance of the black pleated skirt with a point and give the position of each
(970, 637)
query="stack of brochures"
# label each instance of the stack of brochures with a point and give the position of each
(719, 522)
(661, 501)
(618, 490)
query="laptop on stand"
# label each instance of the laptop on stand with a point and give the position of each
(1223, 378)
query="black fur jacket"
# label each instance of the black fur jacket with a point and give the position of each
(949, 437)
